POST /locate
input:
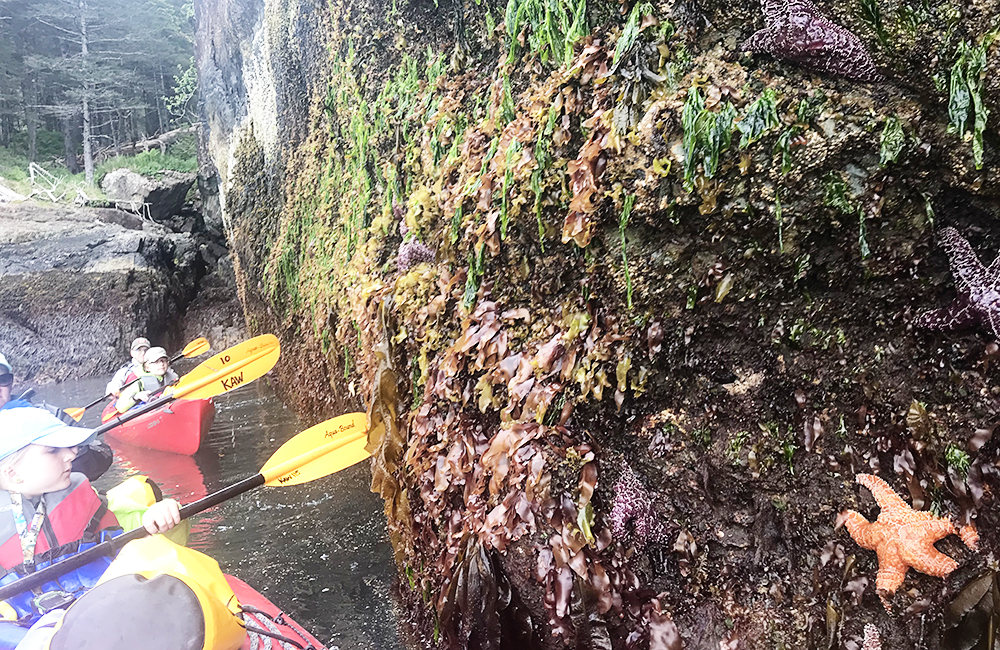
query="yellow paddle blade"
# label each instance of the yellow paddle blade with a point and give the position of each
(75, 413)
(195, 348)
(230, 368)
(323, 449)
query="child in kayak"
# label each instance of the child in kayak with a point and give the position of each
(155, 376)
(48, 512)
(93, 457)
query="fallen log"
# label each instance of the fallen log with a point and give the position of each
(161, 141)
(8, 195)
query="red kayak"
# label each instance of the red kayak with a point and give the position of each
(259, 613)
(177, 426)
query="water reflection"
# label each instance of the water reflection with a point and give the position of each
(185, 478)
(319, 550)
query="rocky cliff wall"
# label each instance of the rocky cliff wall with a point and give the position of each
(629, 307)
(78, 284)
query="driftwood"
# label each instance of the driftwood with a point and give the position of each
(44, 184)
(8, 195)
(161, 142)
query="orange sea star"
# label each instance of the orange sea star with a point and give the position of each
(903, 538)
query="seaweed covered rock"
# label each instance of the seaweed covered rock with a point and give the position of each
(629, 307)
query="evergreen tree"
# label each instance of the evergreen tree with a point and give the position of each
(101, 71)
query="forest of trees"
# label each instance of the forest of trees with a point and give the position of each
(98, 73)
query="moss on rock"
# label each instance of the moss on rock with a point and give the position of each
(649, 252)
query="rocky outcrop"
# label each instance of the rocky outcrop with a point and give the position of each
(77, 285)
(628, 308)
(216, 312)
(156, 199)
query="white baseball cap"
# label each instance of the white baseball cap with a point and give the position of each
(5, 364)
(27, 425)
(155, 354)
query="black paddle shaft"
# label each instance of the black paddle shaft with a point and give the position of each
(112, 546)
(131, 414)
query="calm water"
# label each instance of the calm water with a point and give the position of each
(318, 550)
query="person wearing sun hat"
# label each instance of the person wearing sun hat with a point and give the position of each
(94, 457)
(134, 367)
(47, 511)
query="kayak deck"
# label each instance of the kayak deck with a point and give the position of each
(178, 427)
(259, 613)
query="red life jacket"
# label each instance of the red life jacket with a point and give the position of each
(72, 515)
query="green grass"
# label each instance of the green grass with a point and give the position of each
(14, 172)
(148, 163)
(13, 166)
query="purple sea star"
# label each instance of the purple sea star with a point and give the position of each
(978, 300)
(795, 30)
(633, 503)
(411, 253)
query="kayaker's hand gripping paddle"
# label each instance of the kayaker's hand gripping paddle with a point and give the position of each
(318, 451)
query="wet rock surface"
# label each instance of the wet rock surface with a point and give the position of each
(216, 312)
(78, 284)
(660, 258)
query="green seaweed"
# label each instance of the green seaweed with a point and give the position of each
(736, 444)
(758, 118)
(784, 146)
(788, 448)
(836, 193)
(435, 66)
(965, 92)
(719, 138)
(622, 224)
(476, 182)
(456, 225)
(957, 459)
(477, 264)
(863, 233)
(552, 28)
(870, 13)
(507, 110)
(508, 181)
(706, 135)
(630, 33)
(891, 141)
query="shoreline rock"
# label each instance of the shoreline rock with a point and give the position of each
(78, 284)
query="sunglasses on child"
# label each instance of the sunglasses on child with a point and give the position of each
(6, 379)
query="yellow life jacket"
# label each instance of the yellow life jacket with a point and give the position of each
(156, 595)
(138, 488)
(130, 499)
